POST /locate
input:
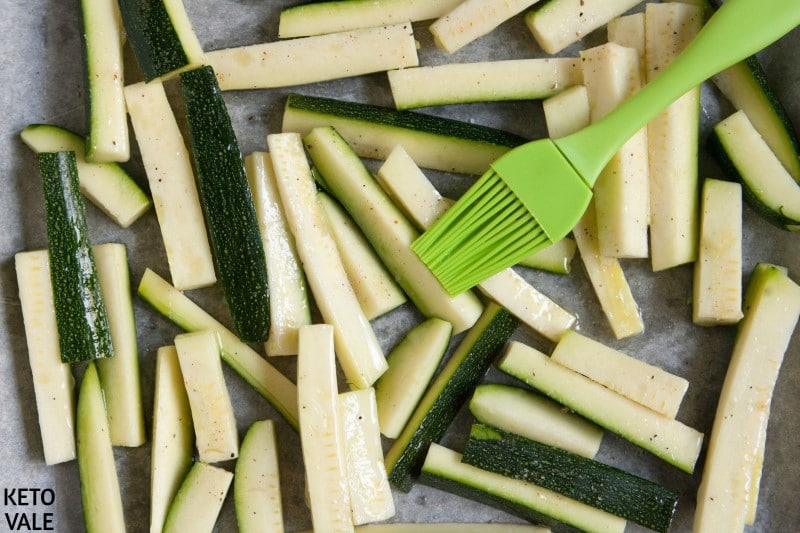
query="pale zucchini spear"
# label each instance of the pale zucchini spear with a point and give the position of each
(256, 482)
(199, 500)
(357, 346)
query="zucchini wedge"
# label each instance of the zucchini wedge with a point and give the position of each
(228, 204)
(81, 316)
(106, 185)
(53, 383)
(732, 470)
(317, 18)
(585, 480)
(270, 383)
(100, 491)
(374, 131)
(256, 481)
(445, 470)
(107, 139)
(161, 36)
(449, 390)
(199, 499)
(766, 185)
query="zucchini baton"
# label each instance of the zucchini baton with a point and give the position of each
(81, 317)
(228, 204)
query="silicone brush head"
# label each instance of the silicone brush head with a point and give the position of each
(530, 198)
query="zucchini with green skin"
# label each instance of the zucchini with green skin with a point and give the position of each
(373, 131)
(276, 388)
(228, 204)
(53, 383)
(106, 185)
(81, 316)
(256, 481)
(447, 393)
(386, 228)
(100, 490)
(586, 480)
(161, 36)
(199, 499)
(107, 122)
(766, 185)
(444, 469)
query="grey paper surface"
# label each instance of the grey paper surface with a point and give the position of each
(42, 81)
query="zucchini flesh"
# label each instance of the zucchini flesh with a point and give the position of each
(445, 470)
(536, 417)
(374, 131)
(107, 123)
(100, 490)
(53, 384)
(106, 185)
(161, 36)
(586, 480)
(270, 383)
(447, 393)
(766, 185)
(199, 499)
(172, 446)
(731, 474)
(228, 204)
(256, 481)
(81, 317)
(119, 375)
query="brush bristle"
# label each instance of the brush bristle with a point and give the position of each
(485, 231)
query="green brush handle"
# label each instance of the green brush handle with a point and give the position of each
(738, 29)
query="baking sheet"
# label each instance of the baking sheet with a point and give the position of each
(42, 82)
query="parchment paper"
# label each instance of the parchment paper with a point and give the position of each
(42, 81)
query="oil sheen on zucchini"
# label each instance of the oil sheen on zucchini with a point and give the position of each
(228, 204)
(80, 312)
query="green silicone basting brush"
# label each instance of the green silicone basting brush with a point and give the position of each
(535, 194)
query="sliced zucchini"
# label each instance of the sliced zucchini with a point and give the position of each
(717, 294)
(446, 527)
(169, 172)
(585, 480)
(357, 347)
(622, 192)
(332, 16)
(628, 31)
(119, 375)
(370, 493)
(746, 86)
(672, 139)
(376, 290)
(507, 288)
(472, 19)
(373, 131)
(256, 481)
(199, 499)
(556, 258)
(81, 317)
(214, 423)
(536, 417)
(449, 390)
(315, 59)
(53, 383)
(100, 490)
(321, 431)
(227, 204)
(559, 23)
(172, 448)
(268, 381)
(161, 36)
(766, 185)
(484, 81)
(289, 293)
(731, 474)
(567, 111)
(386, 228)
(641, 382)
(412, 364)
(107, 123)
(444, 469)
(672, 441)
